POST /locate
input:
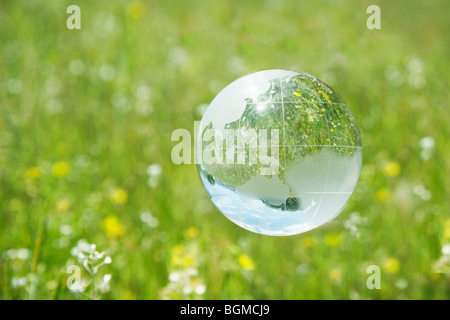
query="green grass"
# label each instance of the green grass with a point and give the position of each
(91, 120)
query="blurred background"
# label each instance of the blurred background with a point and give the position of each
(91, 205)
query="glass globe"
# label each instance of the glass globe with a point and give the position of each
(278, 152)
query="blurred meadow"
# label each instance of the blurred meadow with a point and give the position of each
(86, 177)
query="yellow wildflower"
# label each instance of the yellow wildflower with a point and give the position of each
(177, 250)
(391, 265)
(310, 118)
(297, 94)
(60, 169)
(181, 258)
(128, 295)
(391, 169)
(332, 239)
(383, 195)
(63, 205)
(187, 261)
(33, 173)
(246, 262)
(136, 9)
(191, 233)
(118, 196)
(113, 227)
(434, 276)
(336, 274)
(447, 229)
(307, 242)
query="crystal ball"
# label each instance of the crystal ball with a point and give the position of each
(279, 152)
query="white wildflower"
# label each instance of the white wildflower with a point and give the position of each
(427, 145)
(154, 172)
(446, 250)
(92, 260)
(422, 192)
(354, 224)
(149, 219)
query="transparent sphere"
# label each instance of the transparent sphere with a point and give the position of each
(279, 152)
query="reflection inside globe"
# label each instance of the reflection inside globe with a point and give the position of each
(297, 174)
